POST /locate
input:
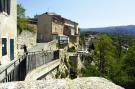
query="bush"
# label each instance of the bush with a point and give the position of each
(22, 24)
(72, 49)
(89, 71)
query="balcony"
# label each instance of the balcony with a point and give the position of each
(63, 39)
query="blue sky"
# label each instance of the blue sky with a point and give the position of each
(88, 13)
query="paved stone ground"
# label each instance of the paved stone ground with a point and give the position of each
(79, 83)
(39, 47)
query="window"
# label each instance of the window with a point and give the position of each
(4, 46)
(5, 6)
(11, 49)
(72, 31)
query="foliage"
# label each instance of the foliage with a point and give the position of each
(91, 47)
(22, 22)
(20, 11)
(104, 54)
(72, 49)
(82, 36)
(112, 61)
(90, 71)
(129, 66)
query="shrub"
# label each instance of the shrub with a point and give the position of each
(22, 24)
(72, 49)
(89, 71)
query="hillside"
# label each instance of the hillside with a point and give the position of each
(129, 29)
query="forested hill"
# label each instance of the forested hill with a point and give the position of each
(129, 29)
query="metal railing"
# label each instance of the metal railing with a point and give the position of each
(17, 70)
(7, 73)
(36, 59)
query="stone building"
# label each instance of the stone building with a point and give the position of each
(8, 31)
(52, 26)
(72, 31)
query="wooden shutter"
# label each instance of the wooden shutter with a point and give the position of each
(5, 6)
(1, 5)
(4, 46)
(8, 6)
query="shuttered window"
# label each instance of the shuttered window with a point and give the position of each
(8, 6)
(1, 5)
(5, 6)
(4, 46)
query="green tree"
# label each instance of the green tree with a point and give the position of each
(22, 21)
(129, 67)
(82, 42)
(89, 70)
(20, 11)
(91, 47)
(105, 55)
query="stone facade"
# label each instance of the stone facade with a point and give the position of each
(48, 27)
(8, 33)
(52, 26)
(71, 29)
(27, 38)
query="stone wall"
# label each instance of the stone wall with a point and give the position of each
(79, 83)
(27, 38)
(44, 28)
(46, 71)
(57, 28)
(51, 75)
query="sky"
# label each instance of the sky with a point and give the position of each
(88, 13)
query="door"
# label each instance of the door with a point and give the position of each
(11, 49)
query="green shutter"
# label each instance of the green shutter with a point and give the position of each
(4, 46)
(8, 6)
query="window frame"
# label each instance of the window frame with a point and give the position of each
(5, 46)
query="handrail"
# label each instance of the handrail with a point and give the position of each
(6, 72)
(44, 59)
(19, 59)
(14, 63)
(49, 67)
(11, 64)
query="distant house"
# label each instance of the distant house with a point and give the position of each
(72, 31)
(49, 27)
(8, 31)
(52, 26)
(88, 40)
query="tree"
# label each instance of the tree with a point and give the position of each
(22, 21)
(129, 67)
(104, 55)
(91, 47)
(20, 11)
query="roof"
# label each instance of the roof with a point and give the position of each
(57, 15)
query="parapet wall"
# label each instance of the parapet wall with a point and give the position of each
(79, 83)
(43, 72)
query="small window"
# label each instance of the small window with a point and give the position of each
(5, 6)
(4, 46)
